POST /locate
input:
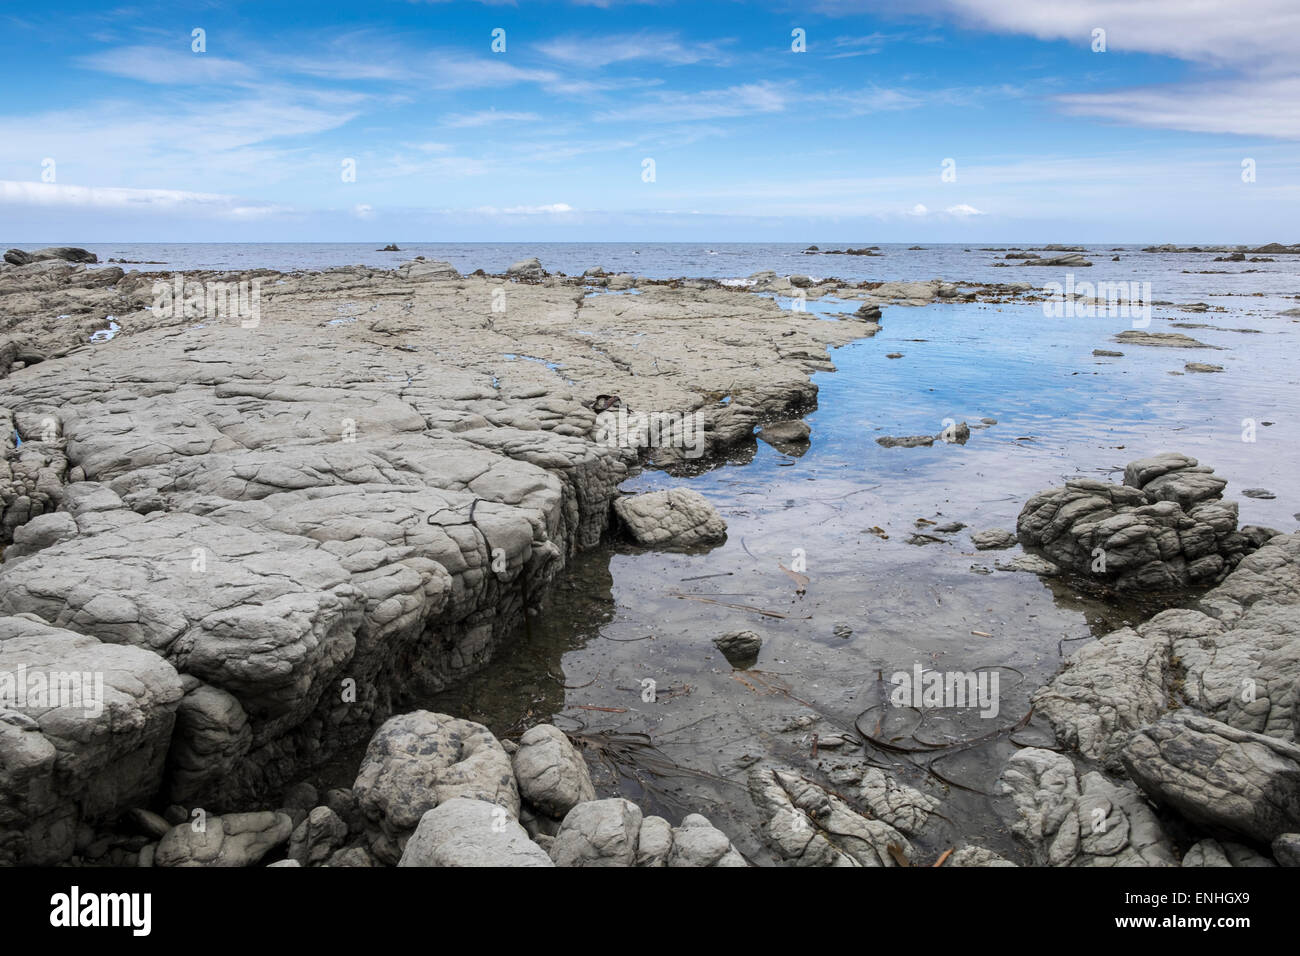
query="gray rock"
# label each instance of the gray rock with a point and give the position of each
(466, 832)
(84, 732)
(1164, 529)
(740, 648)
(807, 825)
(148, 822)
(1286, 849)
(785, 433)
(18, 257)
(1237, 654)
(551, 774)
(902, 807)
(976, 856)
(419, 760)
(993, 539)
(527, 269)
(676, 518)
(697, 843)
(235, 839)
(654, 842)
(599, 833)
(353, 856)
(426, 270)
(1029, 564)
(317, 837)
(1066, 820)
(1174, 340)
(905, 441)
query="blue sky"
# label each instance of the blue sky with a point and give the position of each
(1049, 139)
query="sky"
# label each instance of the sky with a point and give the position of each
(602, 120)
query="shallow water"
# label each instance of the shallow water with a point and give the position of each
(618, 617)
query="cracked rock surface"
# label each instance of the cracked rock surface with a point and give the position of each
(355, 497)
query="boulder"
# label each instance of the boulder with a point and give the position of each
(84, 732)
(676, 518)
(698, 843)
(317, 837)
(417, 761)
(551, 774)
(599, 833)
(468, 832)
(530, 269)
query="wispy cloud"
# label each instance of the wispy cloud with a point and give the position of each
(599, 50)
(136, 200)
(668, 107)
(1246, 107)
(488, 117)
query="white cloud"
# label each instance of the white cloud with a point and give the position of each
(170, 67)
(743, 100)
(918, 210)
(486, 117)
(1254, 107)
(137, 200)
(1257, 44)
(553, 209)
(363, 211)
(1265, 34)
(963, 210)
(602, 50)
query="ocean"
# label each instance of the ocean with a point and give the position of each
(1170, 274)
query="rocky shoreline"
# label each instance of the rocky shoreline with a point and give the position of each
(267, 531)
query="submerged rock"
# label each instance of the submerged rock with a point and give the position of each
(740, 648)
(1174, 340)
(785, 433)
(993, 539)
(899, 805)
